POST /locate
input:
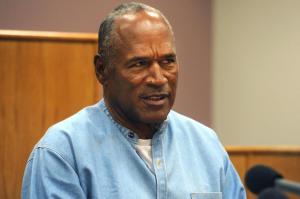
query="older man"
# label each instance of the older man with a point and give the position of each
(131, 145)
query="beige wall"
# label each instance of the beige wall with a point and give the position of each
(190, 20)
(256, 71)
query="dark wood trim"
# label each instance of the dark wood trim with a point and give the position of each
(263, 149)
(47, 35)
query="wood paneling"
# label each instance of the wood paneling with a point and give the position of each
(285, 160)
(43, 79)
(45, 35)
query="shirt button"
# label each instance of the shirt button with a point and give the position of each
(131, 135)
(158, 162)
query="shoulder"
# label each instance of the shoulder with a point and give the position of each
(190, 126)
(72, 135)
(74, 126)
(195, 136)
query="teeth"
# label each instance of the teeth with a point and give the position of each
(155, 97)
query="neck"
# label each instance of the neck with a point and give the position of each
(144, 131)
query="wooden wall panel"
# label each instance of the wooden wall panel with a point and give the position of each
(240, 163)
(43, 79)
(285, 160)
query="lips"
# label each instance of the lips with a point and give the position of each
(155, 99)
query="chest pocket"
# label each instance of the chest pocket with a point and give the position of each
(210, 195)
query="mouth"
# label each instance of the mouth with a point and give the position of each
(155, 99)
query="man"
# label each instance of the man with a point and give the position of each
(130, 145)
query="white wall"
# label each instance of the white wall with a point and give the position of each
(256, 71)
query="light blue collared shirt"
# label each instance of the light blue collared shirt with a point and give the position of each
(89, 155)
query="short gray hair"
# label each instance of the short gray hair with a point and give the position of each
(106, 36)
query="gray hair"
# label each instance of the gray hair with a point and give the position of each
(106, 35)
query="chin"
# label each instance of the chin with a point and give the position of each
(155, 118)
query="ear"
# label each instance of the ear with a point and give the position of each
(100, 69)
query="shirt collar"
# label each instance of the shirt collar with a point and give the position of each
(129, 134)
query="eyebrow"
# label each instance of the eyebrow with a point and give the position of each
(171, 55)
(138, 58)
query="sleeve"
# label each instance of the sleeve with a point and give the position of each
(232, 186)
(48, 175)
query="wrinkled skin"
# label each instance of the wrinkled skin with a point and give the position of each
(140, 88)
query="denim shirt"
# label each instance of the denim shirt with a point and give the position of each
(89, 155)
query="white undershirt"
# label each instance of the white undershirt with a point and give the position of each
(143, 147)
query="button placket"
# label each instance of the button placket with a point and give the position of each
(159, 168)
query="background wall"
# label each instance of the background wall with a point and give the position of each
(191, 23)
(255, 50)
(256, 71)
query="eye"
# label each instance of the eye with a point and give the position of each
(168, 61)
(139, 63)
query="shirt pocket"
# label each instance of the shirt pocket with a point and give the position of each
(208, 195)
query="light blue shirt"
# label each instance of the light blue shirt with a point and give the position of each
(89, 155)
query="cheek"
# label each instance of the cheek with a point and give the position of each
(127, 88)
(137, 77)
(172, 79)
(119, 88)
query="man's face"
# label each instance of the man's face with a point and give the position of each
(141, 87)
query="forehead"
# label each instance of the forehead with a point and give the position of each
(140, 21)
(142, 30)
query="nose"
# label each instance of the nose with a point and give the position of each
(156, 76)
